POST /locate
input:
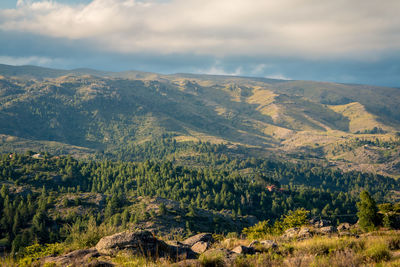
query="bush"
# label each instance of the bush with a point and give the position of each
(259, 230)
(31, 253)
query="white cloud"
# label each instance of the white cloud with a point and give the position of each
(216, 69)
(33, 60)
(301, 28)
(278, 77)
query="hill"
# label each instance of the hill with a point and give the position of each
(296, 120)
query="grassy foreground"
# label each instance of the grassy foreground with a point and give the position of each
(379, 248)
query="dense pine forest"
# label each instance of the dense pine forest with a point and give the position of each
(47, 199)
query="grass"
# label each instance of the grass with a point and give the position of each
(380, 248)
(212, 259)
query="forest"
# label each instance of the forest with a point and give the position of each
(34, 184)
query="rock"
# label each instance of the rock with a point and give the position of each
(200, 247)
(205, 237)
(327, 230)
(143, 243)
(243, 250)
(344, 227)
(304, 233)
(220, 256)
(269, 244)
(322, 223)
(82, 257)
(181, 252)
(138, 243)
(290, 233)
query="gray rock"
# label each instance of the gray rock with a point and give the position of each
(205, 237)
(269, 244)
(291, 233)
(322, 223)
(244, 250)
(138, 243)
(143, 243)
(327, 230)
(304, 233)
(82, 257)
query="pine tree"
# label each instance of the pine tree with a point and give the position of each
(367, 212)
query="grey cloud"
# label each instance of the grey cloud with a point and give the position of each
(301, 28)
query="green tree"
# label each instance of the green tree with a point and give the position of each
(367, 212)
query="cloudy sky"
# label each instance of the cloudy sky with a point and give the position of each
(354, 41)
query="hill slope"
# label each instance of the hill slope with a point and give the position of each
(108, 111)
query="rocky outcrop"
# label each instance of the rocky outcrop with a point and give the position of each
(290, 233)
(205, 237)
(305, 233)
(138, 243)
(318, 223)
(327, 230)
(200, 242)
(143, 243)
(82, 257)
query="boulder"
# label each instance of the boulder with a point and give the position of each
(327, 230)
(205, 237)
(181, 252)
(82, 257)
(269, 244)
(344, 227)
(138, 243)
(322, 223)
(145, 244)
(243, 250)
(291, 233)
(200, 247)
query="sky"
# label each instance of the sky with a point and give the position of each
(343, 41)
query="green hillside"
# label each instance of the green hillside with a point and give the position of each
(106, 111)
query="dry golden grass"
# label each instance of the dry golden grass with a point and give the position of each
(360, 119)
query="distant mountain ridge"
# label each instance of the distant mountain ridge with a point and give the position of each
(104, 110)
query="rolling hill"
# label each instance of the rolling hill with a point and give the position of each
(104, 111)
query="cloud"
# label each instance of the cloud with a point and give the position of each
(218, 68)
(33, 60)
(278, 77)
(312, 29)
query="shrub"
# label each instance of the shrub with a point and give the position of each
(31, 253)
(295, 218)
(259, 230)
